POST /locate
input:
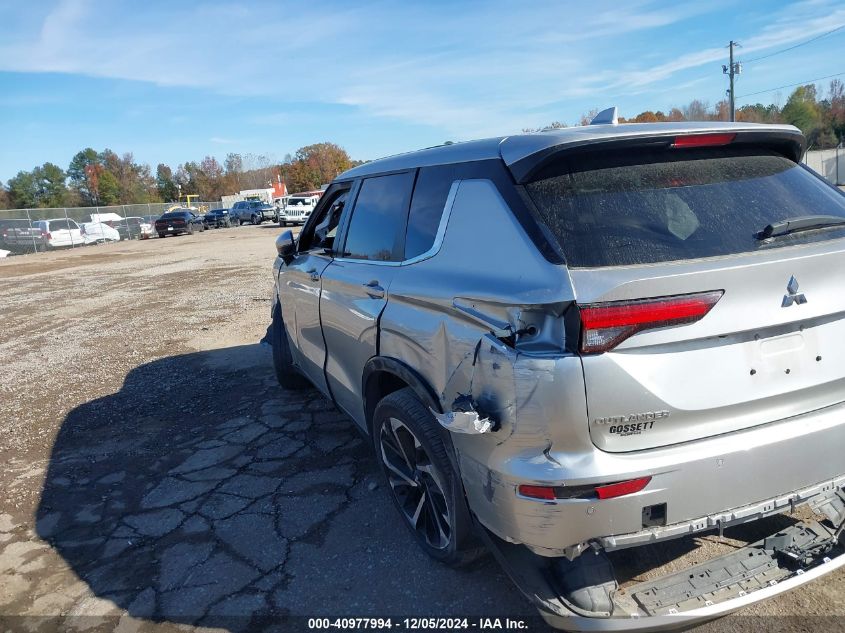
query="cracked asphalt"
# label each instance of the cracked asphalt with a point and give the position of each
(156, 478)
(156, 474)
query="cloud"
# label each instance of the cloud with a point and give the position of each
(470, 70)
(793, 25)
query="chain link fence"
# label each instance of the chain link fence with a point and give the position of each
(25, 231)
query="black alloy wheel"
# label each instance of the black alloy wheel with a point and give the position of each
(415, 484)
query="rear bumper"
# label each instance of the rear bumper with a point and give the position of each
(631, 622)
(688, 596)
(722, 481)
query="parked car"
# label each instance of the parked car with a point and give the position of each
(178, 221)
(20, 236)
(298, 209)
(217, 218)
(43, 235)
(253, 211)
(99, 233)
(569, 343)
(128, 228)
(147, 226)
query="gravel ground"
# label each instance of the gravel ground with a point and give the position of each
(156, 477)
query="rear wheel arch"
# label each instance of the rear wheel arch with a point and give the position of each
(383, 375)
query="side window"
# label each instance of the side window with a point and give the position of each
(378, 219)
(321, 232)
(326, 229)
(427, 205)
(58, 225)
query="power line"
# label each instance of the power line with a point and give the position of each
(794, 46)
(800, 83)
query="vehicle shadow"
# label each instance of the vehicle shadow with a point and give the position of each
(203, 493)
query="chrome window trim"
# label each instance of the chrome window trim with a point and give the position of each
(435, 246)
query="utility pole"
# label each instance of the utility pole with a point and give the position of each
(730, 71)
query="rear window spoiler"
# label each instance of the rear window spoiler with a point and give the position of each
(527, 155)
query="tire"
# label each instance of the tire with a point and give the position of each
(162, 235)
(254, 220)
(402, 420)
(282, 223)
(287, 375)
(240, 222)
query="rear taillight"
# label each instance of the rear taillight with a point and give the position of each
(603, 491)
(703, 140)
(605, 325)
(46, 235)
(546, 493)
(622, 488)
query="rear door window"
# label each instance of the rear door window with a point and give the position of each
(377, 228)
(429, 200)
(659, 206)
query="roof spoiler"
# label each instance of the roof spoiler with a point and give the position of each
(606, 117)
(527, 155)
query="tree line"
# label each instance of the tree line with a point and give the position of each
(104, 178)
(820, 117)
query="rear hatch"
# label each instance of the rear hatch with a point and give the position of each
(692, 323)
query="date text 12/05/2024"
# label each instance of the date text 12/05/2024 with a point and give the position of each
(418, 623)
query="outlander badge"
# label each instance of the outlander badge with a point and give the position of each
(792, 296)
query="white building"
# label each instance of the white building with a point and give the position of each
(265, 195)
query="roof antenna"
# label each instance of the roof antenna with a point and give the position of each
(606, 117)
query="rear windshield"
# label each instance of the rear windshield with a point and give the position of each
(660, 206)
(173, 216)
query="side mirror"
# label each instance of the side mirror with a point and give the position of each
(285, 246)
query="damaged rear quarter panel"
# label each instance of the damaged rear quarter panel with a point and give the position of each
(439, 320)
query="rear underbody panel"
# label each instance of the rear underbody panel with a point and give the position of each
(787, 558)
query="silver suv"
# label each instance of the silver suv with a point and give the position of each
(569, 343)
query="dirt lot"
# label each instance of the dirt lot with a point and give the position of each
(156, 477)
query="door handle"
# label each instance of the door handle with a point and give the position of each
(313, 274)
(374, 290)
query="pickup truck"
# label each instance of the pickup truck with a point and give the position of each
(253, 211)
(20, 236)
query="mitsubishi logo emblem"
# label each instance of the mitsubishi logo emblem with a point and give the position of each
(792, 295)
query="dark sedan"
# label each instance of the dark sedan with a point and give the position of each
(217, 218)
(178, 221)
